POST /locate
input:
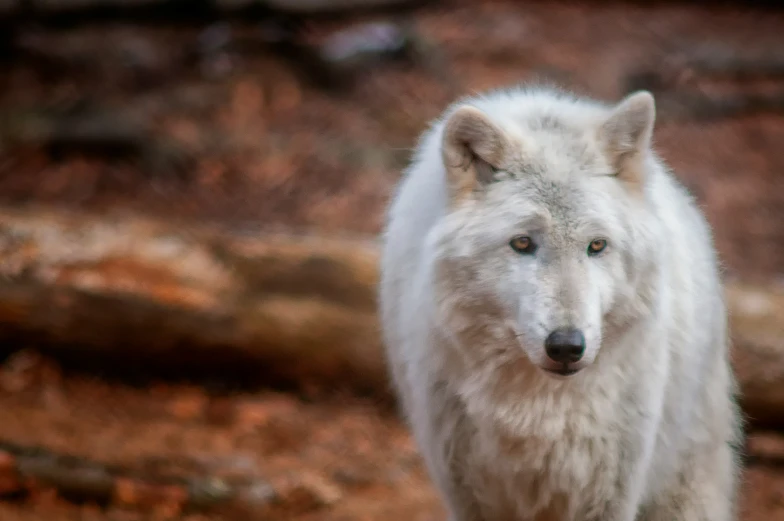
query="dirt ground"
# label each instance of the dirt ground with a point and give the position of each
(231, 133)
(314, 458)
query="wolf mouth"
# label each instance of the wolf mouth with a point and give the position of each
(563, 372)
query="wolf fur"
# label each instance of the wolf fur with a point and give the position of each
(646, 429)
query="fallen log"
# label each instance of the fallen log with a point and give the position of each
(124, 293)
(757, 330)
(135, 295)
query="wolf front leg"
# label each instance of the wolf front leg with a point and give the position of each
(633, 462)
(704, 491)
(445, 437)
(625, 504)
(447, 469)
(462, 507)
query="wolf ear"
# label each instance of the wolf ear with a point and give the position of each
(473, 148)
(626, 134)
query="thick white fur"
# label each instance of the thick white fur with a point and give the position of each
(647, 430)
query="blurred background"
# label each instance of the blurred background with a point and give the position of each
(190, 196)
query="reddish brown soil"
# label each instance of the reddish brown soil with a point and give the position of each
(328, 459)
(271, 150)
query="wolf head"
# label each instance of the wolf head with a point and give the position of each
(549, 232)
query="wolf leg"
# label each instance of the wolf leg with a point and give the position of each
(705, 490)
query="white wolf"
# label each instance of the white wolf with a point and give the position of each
(554, 318)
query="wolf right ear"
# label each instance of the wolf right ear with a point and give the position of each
(473, 148)
(626, 134)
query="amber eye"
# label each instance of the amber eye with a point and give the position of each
(522, 244)
(597, 246)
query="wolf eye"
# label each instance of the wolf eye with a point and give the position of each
(522, 244)
(597, 246)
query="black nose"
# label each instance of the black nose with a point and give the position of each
(565, 346)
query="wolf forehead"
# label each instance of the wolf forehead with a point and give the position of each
(553, 134)
(562, 211)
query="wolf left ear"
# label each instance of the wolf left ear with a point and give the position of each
(626, 134)
(473, 148)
